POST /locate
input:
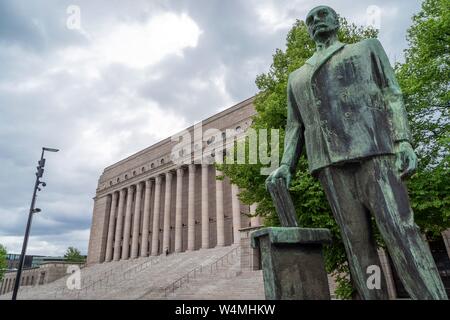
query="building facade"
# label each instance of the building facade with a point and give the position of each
(166, 198)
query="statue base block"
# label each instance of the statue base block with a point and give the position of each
(292, 262)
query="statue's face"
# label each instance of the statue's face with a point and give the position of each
(321, 21)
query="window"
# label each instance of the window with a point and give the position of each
(118, 179)
(143, 169)
(162, 161)
(134, 173)
(238, 129)
(152, 165)
(110, 183)
(126, 177)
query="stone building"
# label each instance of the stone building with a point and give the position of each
(165, 198)
(46, 272)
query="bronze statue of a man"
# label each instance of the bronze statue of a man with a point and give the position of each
(346, 107)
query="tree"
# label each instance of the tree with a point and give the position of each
(74, 255)
(424, 79)
(3, 263)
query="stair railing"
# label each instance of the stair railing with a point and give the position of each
(199, 270)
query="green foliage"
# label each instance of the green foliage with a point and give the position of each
(3, 263)
(424, 79)
(74, 255)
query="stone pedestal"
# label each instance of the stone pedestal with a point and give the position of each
(292, 262)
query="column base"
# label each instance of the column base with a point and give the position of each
(292, 262)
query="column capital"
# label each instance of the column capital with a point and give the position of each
(168, 175)
(139, 186)
(192, 167)
(122, 191)
(147, 183)
(180, 171)
(205, 165)
(158, 179)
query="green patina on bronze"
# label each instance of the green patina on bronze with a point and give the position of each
(346, 108)
(292, 262)
(280, 235)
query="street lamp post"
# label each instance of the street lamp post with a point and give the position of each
(39, 173)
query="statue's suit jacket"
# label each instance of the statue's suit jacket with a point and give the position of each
(344, 104)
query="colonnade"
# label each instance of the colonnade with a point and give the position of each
(134, 215)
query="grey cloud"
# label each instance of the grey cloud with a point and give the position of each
(36, 25)
(59, 108)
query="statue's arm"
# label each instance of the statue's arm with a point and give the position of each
(392, 93)
(294, 137)
(406, 162)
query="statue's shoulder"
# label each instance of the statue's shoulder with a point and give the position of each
(371, 43)
(299, 73)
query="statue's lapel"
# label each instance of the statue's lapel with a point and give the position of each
(317, 60)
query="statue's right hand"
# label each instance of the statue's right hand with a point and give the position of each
(282, 172)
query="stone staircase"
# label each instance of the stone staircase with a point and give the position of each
(223, 283)
(201, 274)
(89, 276)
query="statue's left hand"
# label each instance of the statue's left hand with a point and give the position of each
(406, 162)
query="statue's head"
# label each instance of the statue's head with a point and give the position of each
(322, 22)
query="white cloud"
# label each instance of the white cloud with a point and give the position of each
(49, 245)
(140, 45)
(273, 17)
(279, 15)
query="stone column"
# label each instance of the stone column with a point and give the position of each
(220, 220)
(254, 221)
(119, 226)
(146, 219)
(205, 207)
(191, 209)
(167, 199)
(236, 208)
(111, 227)
(127, 226)
(136, 222)
(156, 209)
(178, 211)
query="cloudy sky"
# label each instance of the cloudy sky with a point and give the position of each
(124, 76)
